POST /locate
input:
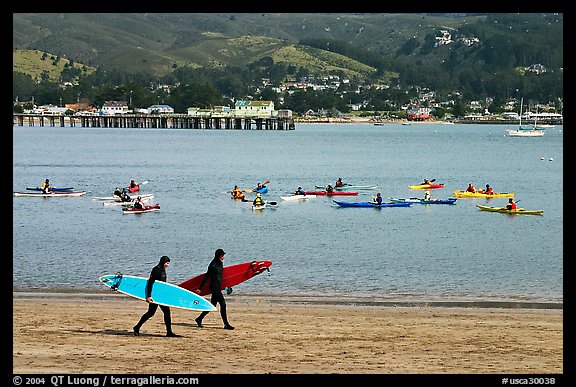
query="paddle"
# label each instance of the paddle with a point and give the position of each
(251, 190)
(272, 203)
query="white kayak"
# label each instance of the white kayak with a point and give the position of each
(55, 194)
(297, 197)
(115, 198)
(256, 208)
(129, 203)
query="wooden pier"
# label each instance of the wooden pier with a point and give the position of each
(165, 121)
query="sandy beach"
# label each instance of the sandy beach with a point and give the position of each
(67, 334)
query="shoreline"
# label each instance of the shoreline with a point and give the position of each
(323, 301)
(66, 334)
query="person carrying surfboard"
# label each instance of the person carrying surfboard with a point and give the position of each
(214, 275)
(158, 273)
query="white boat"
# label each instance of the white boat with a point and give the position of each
(525, 131)
(54, 194)
(129, 203)
(117, 198)
(297, 197)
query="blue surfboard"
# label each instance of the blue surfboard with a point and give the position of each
(163, 293)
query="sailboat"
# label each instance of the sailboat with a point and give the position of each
(535, 125)
(522, 132)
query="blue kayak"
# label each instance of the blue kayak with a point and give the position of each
(370, 204)
(51, 189)
(262, 190)
(422, 201)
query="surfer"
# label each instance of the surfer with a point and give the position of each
(214, 275)
(158, 273)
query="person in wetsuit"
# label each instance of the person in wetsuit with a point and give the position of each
(214, 275)
(158, 273)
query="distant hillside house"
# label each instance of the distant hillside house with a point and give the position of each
(259, 109)
(158, 109)
(115, 107)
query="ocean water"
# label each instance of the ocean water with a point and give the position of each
(436, 252)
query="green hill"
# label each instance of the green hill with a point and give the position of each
(157, 43)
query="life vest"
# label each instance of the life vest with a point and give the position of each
(258, 202)
(489, 191)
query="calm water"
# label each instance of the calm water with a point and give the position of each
(437, 252)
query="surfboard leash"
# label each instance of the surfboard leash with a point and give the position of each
(118, 281)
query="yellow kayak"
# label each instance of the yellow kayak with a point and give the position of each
(517, 211)
(463, 194)
(426, 186)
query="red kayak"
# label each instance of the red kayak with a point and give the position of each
(134, 189)
(334, 193)
(132, 210)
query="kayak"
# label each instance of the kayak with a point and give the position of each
(345, 193)
(349, 187)
(297, 197)
(128, 203)
(422, 201)
(463, 194)
(370, 204)
(517, 211)
(116, 198)
(51, 194)
(262, 190)
(132, 210)
(51, 189)
(261, 207)
(134, 189)
(427, 186)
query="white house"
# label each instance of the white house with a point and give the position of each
(259, 109)
(115, 107)
(159, 109)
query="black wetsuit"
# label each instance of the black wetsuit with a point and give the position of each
(158, 273)
(214, 275)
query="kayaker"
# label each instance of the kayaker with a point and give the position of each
(117, 192)
(339, 182)
(45, 186)
(511, 204)
(138, 203)
(471, 188)
(133, 184)
(488, 190)
(237, 193)
(329, 188)
(426, 182)
(124, 197)
(260, 186)
(299, 191)
(258, 201)
(427, 196)
(378, 199)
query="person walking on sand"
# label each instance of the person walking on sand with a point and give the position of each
(214, 275)
(158, 273)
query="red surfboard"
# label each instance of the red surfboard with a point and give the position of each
(231, 276)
